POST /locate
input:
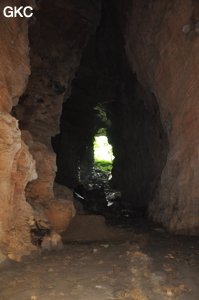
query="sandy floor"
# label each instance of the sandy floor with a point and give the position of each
(149, 265)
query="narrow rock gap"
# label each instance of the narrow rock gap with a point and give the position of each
(106, 94)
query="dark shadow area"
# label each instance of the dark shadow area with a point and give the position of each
(106, 94)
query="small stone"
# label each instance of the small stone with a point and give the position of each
(95, 250)
(169, 293)
(127, 295)
(51, 270)
(120, 294)
(34, 298)
(101, 287)
(50, 286)
(186, 28)
(52, 242)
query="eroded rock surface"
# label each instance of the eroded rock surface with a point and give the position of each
(57, 40)
(164, 56)
(61, 210)
(58, 33)
(17, 167)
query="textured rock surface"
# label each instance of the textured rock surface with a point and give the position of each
(140, 144)
(52, 210)
(14, 60)
(16, 164)
(61, 210)
(17, 169)
(164, 56)
(57, 40)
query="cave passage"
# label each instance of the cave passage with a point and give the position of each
(107, 97)
(125, 71)
(82, 86)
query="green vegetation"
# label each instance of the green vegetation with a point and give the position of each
(103, 154)
(103, 165)
(103, 151)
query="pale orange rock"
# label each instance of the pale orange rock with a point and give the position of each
(16, 164)
(165, 59)
(17, 168)
(54, 61)
(61, 211)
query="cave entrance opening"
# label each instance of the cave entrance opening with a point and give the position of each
(103, 156)
(103, 151)
(98, 197)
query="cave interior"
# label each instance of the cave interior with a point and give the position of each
(72, 223)
(87, 68)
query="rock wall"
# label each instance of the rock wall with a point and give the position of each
(58, 33)
(57, 39)
(16, 164)
(161, 43)
(140, 144)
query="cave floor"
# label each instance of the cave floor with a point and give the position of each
(148, 264)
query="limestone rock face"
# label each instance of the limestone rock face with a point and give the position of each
(14, 60)
(16, 164)
(161, 43)
(57, 40)
(17, 169)
(59, 204)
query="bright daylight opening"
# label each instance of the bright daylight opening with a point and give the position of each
(103, 151)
